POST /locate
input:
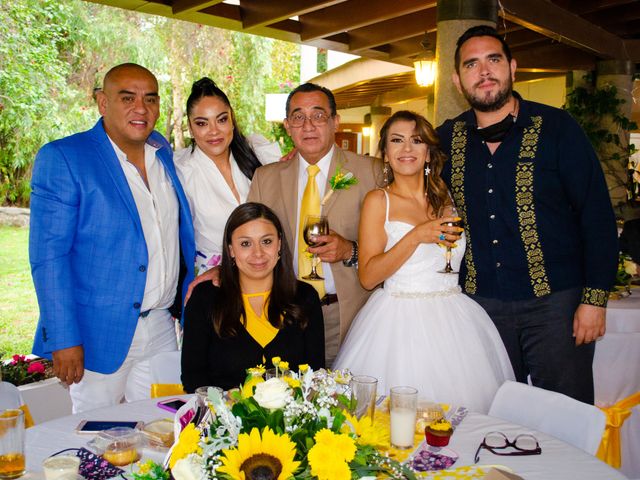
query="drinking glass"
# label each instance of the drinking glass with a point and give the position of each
(276, 373)
(450, 211)
(203, 392)
(403, 408)
(363, 395)
(12, 461)
(314, 225)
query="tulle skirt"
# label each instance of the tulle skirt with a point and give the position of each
(442, 343)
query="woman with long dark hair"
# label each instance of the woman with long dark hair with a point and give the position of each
(419, 330)
(217, 169)
(259, 311)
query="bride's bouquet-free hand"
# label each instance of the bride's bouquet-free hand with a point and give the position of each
(294, 425)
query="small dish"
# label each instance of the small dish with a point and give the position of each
(159, 433)
(123, 445)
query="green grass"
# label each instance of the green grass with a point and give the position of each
(18, 304)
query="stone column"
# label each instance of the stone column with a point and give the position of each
(454, 18)
(379, 115)
(619, 74)
(575, 79)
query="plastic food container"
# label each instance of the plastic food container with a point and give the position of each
(122, 445)
(159, 433)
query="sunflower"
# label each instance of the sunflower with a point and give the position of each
(188, 442)
(268, 457)
(330, 456)
(374, 433)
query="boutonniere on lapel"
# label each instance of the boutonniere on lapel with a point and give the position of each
(341, 180)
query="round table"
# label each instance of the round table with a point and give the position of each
(557, 461)
(616, 372)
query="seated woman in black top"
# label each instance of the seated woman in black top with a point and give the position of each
(259, 311)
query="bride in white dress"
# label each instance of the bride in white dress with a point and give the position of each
(419, 329)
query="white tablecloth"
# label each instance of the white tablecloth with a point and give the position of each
(616, 372)
(557, 461)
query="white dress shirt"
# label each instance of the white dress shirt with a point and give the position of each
(158, 209)
(210, 199)
(321, 180)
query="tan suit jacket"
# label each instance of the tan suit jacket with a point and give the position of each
(276, 185)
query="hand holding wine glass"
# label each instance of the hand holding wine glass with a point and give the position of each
(314, 226)
(450, 211)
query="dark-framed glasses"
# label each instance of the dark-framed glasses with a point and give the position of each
(317, 119)
(495, 442)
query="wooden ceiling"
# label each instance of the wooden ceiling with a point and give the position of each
(546, 36)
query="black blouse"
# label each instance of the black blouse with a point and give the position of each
(208, 359)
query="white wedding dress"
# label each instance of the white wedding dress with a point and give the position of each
(420, 330)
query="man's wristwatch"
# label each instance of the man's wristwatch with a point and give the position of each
(353, 260)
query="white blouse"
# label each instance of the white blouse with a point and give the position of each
(210, 199)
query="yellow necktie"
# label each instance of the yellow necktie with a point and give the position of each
(310, 205)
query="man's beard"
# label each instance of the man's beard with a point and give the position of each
(488, 104)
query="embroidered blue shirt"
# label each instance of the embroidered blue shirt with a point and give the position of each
(537, 212)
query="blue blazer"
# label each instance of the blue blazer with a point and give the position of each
(87, 250)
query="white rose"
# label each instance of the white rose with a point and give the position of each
(272, 394)
(188, 468)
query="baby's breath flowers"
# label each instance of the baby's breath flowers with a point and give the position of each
(292, 426)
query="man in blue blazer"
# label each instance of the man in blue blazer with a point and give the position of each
(109, 220)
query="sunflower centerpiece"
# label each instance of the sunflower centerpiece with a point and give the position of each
(294, 425)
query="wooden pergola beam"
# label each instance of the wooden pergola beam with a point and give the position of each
(524, 37)
(353, 14)
(180, 7)
(410, 47)
(632, 47)
(554, 58)
(256, 13)
(559, 24)
(390, 31)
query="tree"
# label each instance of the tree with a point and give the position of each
(55, 53)
(34, 37)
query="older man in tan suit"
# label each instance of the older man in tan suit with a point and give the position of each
(312, 122)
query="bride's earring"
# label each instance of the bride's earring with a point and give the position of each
(427, 171)
(385, 173)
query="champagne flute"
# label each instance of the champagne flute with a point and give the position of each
(314, 225)
(450, 211)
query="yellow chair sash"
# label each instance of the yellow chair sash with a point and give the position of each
(166, 389)
(617, 413)
(28, 419)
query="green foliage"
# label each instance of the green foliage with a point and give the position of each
(151, 471)
(34, 36)
(280, 135)
(53, 53)
(590, 106)
(321, 60)
(597, 110)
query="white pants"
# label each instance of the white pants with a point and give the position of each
(132, 381)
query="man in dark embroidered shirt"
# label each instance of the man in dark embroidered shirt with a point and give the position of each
(541, 235)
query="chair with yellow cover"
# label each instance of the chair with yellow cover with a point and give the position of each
(10, 397)
(577, 423)
(165, 375)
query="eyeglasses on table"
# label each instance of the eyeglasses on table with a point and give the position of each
(523, 444)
